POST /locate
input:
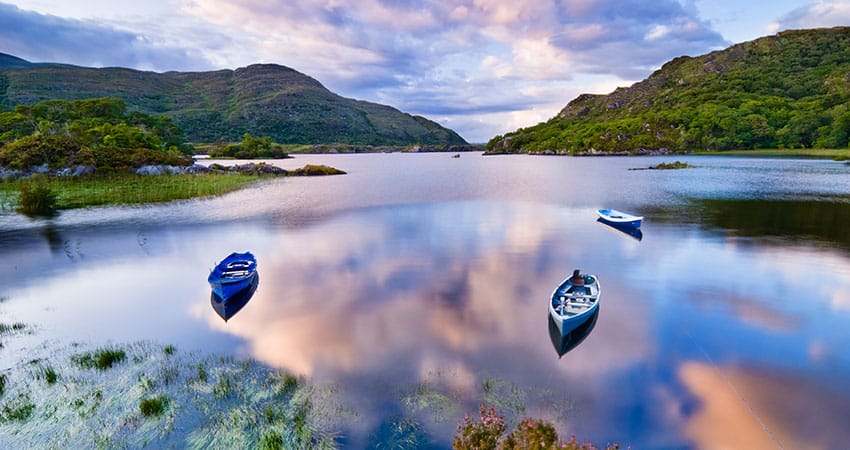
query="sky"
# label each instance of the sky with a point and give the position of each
(479, 67)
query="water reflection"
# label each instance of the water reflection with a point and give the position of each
(563, 343)
(423, 301)
(227, 308)
(632, 232)
(822, 221)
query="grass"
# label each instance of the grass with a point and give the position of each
(838, 154)
(101, 359)
(80, 192)
(49, 375)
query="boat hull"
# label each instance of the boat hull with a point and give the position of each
(619, 218)
(571, 305)
(229, 306)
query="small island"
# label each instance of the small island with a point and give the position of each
(667, 166)
(61, 155)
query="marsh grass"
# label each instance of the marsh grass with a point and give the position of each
(80, 192)
(101, 359)
(838, 154)
(18, 409)
(48, 374)
(130, 406)
(11, 328)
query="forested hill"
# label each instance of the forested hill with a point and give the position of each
(790, 90)
(263, 100)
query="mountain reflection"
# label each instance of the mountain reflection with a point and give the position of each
(822, 221)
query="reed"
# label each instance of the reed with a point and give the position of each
(838, 154)
(81, 192)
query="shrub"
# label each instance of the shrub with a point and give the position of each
(480, 435)
(37, 198)
(530, 434)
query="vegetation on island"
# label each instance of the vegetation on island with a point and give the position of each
(787, 91)
(671, 166)
(223, 105)
(250, 148)
(100, 133)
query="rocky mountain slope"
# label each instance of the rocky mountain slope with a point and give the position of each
(790, 90)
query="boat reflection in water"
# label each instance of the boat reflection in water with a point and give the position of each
(563, 343)
(227, 308)
(632, 232)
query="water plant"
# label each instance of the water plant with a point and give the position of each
(19, 409)
(49, 375)
(271, 440)
(154, 406)
(101, 359)
(10, 328)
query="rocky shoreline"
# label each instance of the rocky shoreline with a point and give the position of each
(591, 152)
(247, 169)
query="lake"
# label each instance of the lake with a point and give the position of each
(417, 285)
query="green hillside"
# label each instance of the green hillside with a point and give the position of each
(263, 100)
(791, 90)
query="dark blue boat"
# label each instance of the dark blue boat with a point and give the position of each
(233, 274)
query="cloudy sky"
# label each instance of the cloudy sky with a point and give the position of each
(480, 67)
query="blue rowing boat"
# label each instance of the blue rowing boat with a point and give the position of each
(619, 218)
(233, 275)
(574, 301)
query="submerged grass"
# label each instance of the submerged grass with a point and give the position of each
(153, 407)
(101, 359)
(80, 192)
(134, 406)
(11, 328)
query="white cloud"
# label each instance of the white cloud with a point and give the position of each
(815, 15)
(466, 61)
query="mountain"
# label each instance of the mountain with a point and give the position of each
(790, 90)
(262, 99)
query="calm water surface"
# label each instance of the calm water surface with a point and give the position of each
(418, 285)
